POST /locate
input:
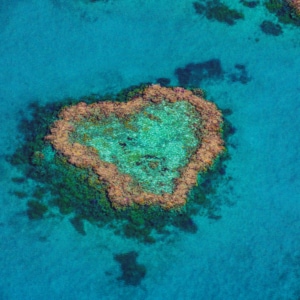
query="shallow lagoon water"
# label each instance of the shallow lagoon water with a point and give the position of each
(55, 49)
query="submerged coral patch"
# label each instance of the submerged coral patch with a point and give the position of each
(295, 4)
(216, 10)
(271, 28)
(194, 73)
(250, 4)
(132, 271)
(163, 81)
(148, 150)
(287, 11)
(240, 74)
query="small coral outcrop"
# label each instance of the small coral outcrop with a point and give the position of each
(122, 188)
(287, 11)
(295, 4)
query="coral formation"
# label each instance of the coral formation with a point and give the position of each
(163, 81)
(132, 272)
(287, 11)
(79, 192)
(216, 10)
(295, 4)
(36, 210)
(194, 73)
(240, 75)
(250, 4)
(121, 187)
(271, 28)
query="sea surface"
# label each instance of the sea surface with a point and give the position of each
(53, 49)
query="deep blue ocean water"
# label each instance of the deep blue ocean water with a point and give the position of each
(53, 49)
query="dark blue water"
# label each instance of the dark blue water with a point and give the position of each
(59, 48)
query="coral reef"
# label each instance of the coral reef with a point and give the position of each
(163, 81)
(240, 75)
(287, 11)
(250, 4)
(132, 272)
(121, 188)
(193, 73)
(78, 224)
(271, 28)
(36, 210)
(215, 10)
(295, 4)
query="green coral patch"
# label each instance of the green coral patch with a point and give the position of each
(216, 10)
(36, 210)
(285, 13)
(132, 271)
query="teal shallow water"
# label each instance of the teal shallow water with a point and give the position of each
(53, 49)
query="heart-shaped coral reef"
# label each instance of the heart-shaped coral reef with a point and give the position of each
(148, 150)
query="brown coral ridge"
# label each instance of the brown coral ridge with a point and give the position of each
(122, 190)
(295, 4)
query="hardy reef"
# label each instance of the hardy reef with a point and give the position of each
(148, 150)
(128, 163)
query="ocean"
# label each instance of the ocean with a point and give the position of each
(54, 49)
